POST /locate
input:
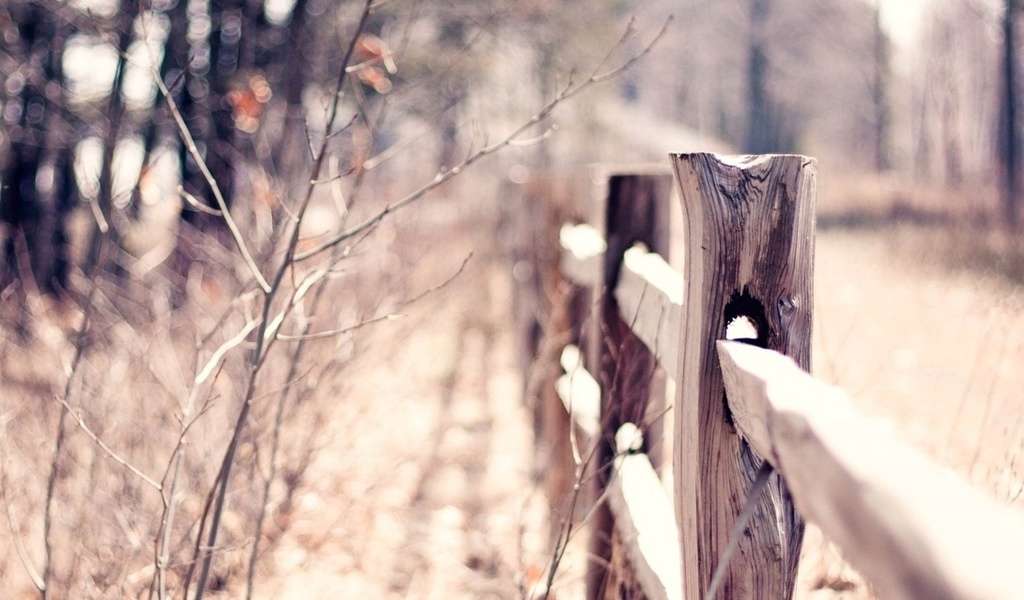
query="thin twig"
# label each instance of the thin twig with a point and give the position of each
(19, 545)
(58, 446)
(389, 316)
(270, 332)
(219, 489)
(193, 150)
(219, 353)
(296, 359)
(275, 445)
(568, 532)
(739, 528)
(162, 542)
(196, 204)
(80, 420)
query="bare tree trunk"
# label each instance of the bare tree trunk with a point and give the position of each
(758, 116)
(879, 93)
(1009, 137)
(115, 115)
(37, 174)
(452, 37)
(766, 129)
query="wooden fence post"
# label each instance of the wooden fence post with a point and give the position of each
(548, 310)
(636, 210)
(749, 227)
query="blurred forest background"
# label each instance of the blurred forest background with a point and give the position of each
(201, 204)
(251, 79)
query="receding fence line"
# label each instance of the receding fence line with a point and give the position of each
(911, 528)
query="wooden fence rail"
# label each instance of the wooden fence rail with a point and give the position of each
(912, 529)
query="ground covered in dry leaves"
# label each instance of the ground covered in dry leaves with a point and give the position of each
(424, 488)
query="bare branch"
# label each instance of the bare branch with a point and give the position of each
(550, 131)
(570, 90)
(390, 316)
(19, 546)
(193, 150)
(196, 204)
(80, 420)
(58, 445)
(263, 341)
(270, 332)
(596, 77)
(219, 353)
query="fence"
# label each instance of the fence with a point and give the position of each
(733, 332)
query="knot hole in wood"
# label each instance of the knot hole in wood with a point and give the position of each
(745, 320)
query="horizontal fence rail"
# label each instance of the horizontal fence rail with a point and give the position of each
(913, 529)
(650, 298)
(644, 519)
(580, 392)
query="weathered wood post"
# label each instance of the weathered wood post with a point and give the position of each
(548, 313)
(636, 210)
(749, 227)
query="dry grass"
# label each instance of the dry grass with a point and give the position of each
(122, 394)
(960, 229)
(401, 464)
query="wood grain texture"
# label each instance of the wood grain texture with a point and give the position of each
(636, 211)
(749, 225)
(913, 529)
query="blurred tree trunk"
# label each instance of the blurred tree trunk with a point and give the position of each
(293, 71)
(55, 182)
(767, 129)
(159, 128)
(880, 93)
(950, 125)
(195, 56)
(115, 111)
(1009, 135)
(452, 40)
(36, 170)
(222, 145)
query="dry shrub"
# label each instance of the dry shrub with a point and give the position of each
(121, 395)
